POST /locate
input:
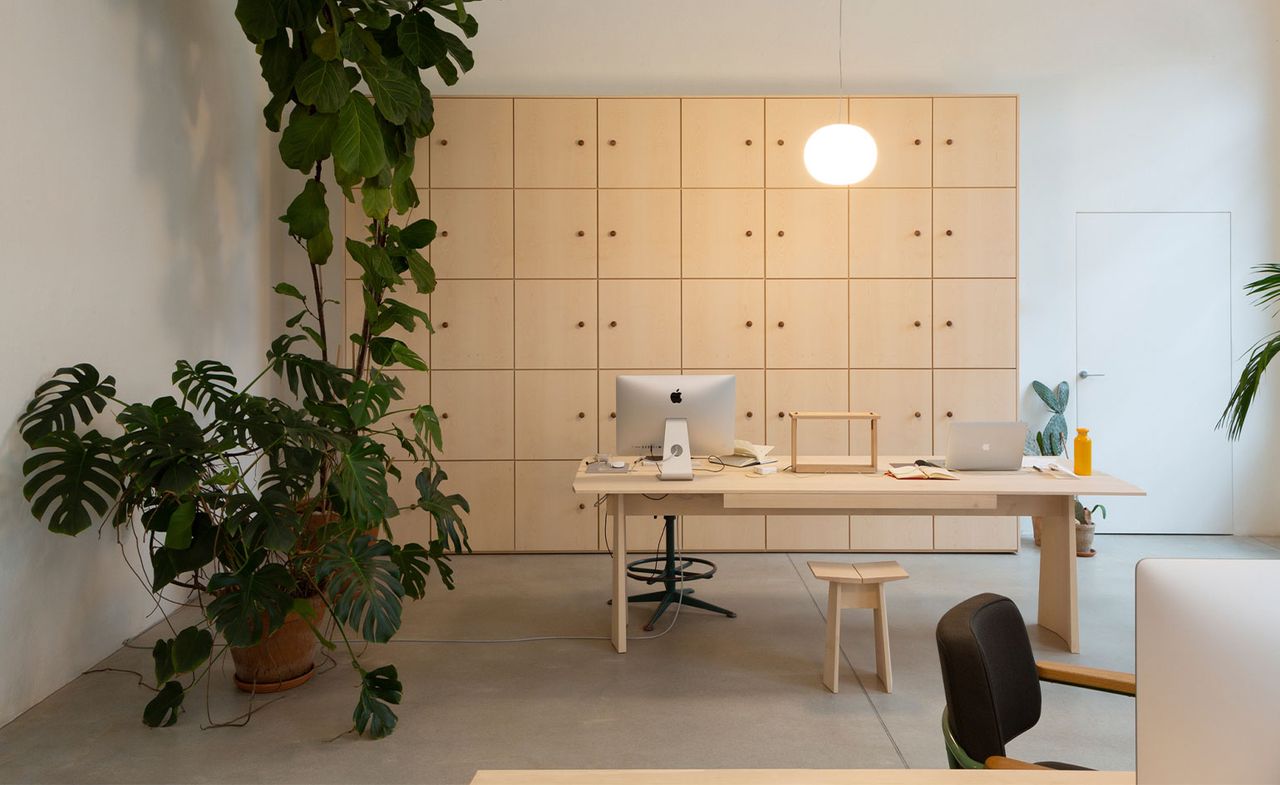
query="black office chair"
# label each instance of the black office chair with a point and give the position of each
(664, 569)
(992, 683)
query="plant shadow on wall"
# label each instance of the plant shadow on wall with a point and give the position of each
(272, 515)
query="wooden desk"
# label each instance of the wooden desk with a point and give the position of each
(802, 777)
(742, 492)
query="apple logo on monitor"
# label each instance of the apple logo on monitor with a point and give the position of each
(676, 396)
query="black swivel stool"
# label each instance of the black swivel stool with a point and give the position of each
(665, 570)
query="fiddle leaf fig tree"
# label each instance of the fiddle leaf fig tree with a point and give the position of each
(250, 506)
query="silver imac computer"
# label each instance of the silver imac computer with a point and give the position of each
(676, 417)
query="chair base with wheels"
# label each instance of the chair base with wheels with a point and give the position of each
(671, 573)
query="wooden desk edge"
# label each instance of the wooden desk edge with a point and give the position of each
(799, 777)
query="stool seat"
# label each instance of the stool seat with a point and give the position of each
(857, 586)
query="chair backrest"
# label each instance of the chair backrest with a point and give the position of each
(989, 674)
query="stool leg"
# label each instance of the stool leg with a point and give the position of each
(831, 663)
(881, 620)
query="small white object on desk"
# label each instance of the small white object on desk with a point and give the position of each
(618, 464)
(770, 469)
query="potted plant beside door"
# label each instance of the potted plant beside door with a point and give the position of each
(1052, 440)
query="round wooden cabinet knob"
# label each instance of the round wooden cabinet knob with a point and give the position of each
(782, 324)
(949, 414)
(582, 324)
(781, 233)
(581, 233)
(581, 142)
(948, 322)
(748, 143)
(917, 322)
(582, 506)
(613, 233)
(950, 142)
(748, 233)
(917, 415)
(444, 325)
(613, 324)
(750, 415)
(781, 415)
(780, 142)
(749, 322)
(917, 143)
(444, 142)
(444, 233)
(582, 415)
(949, 233)
(444, 416)
(917, 233)
(613, 415)
(613, 142)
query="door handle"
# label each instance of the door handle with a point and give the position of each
(1087, 374)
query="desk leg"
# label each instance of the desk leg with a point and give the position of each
(617, 507)
(1059, 609)
(831, 660)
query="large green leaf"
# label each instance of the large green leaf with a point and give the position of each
(445, 508)
(308, 214)
(367, 402)
(315, 378)
(378, 688)
(1055, 400)
(178, 530)
(279, 63)
(414, 563)
(162, 447)
(73, 395)
(168, 563)
(72, 478)
(183, 654)
(260, 19)
(269, 519)
(358, 147)
(427, 425)
(323, 84)
(361, 481)
(458, 51)
(421, 41)
(393, 313)
(251, 602)
(423, 274)
(206, 384)
(456, 13)
(162, 710)
(394, 95)
(308, 139)
(389, 351)
(362, 583)
(418, 234)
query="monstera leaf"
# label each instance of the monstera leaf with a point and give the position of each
(163, 709)
(183, 654)
(443, 507)
(361, 481)
(72, 478)
(379, 687)
(362, 583)
(252, 602)
(73, 394)
(206, 384)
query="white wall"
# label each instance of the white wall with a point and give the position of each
(134, 231)
(1127, 105)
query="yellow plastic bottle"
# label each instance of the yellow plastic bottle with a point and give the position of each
(1084, 452)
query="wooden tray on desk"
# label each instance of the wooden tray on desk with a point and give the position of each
(833, 467)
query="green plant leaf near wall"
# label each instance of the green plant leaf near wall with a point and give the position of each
(358, 147)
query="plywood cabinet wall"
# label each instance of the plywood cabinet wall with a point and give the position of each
(581, 238)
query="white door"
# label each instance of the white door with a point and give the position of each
(1153, 361)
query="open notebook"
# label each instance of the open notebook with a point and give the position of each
(915, 471)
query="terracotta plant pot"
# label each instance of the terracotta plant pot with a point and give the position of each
(286, 659)
(1084, 538)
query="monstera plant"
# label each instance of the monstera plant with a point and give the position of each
(265, 509)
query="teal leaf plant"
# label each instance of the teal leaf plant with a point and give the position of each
(1052, 440)
(249, 505)
(1265, 289)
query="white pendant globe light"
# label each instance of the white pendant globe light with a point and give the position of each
(840, 154)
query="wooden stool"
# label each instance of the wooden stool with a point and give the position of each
(856, 586)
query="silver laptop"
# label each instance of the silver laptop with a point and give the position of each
(986, 446)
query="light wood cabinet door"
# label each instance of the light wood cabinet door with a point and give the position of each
(640, 324)
(555, 142)
(975, 232)
(891, 323)
(890, 233)
(975, 533)
(639, 142)
(808, 324)
(475, 325)
(549, 515)
(749, 418)
(975, 323)
(557, 231)
(971, 395)
(721, 142)
(475, 233)
(555, 414)
(890, 532)
(904, 401)
(555, 324)
(472, 143)
(639, 235)
(608, 398)
(813, 391)
(490, 490)
(712, 533)
(975, 141)
(477, 413)
(789, 122)
(722, 233)
(903, 130)
(723, 323)
(806, 233)
(807, 533)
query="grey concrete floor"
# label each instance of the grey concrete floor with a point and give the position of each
(713, 692)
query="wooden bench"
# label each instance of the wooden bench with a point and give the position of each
(856, 586)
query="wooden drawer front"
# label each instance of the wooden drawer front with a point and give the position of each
(975, 323)
(749, 421)
(639, 233)
(353, 316)
(975, 533)
(471, 144)
(721, 142)
(639, 142)
(475, 233)
(975, 233)
(890, 532)
(557, 231)
(722, 234)
(639, 324)
(476, 411)
(789, 122)
(890, 233)
(975, 142)
(417, 392)
(971, 396)
(807, 233)
(791, 391)
(808, 324)
(902, 128)
(723, 533)
(555, 414)
(608, 415)
(807, 532)
(490, 489)
(723, 323)
(891, 320)
(904, 401)
(474, 323)
(555, 142)
(549, 515)
(555, 324)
